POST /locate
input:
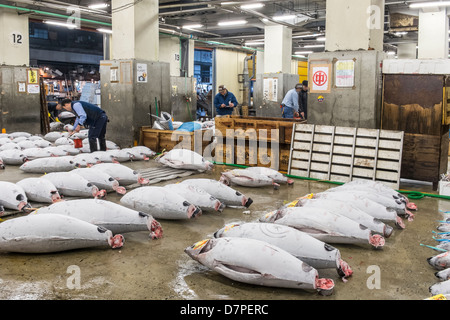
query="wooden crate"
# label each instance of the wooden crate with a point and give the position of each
(252, 141)
(160, 140)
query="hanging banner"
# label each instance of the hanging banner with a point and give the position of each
(345, 73)
(320, 78)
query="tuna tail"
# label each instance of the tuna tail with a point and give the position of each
(377, 241)
(325, 286)
(116, 241)
(344, 270)
(2, 166)
(155, 228)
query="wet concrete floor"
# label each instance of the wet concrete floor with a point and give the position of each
(160, 270)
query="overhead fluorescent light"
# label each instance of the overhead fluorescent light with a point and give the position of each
(98, 6)
(254, 43)
(299, 56)
(62, 24)
(105, 30)
(430, 4)
(285, 17)
(303, 52)
(192, 26)
(391, 53)
(228, 3)
(307, 36)
(314, 46)
(232, 23)
(321, 39)
(252, 6)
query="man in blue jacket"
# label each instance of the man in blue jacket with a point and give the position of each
(290, 104)
(90, 116)
(224, 102)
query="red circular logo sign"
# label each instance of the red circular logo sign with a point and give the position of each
(320, 78)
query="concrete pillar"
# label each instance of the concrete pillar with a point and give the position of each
(433, 35)
(277, 49)
(354, 25)
(407, 51)
(135, 30)
(14, 38)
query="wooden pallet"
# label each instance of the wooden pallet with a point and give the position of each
(343, 154)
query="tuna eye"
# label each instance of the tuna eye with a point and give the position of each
(186, 204)
(101, 229)
(111, 179)
(238, 193)
(20, 197)
(89, 184)
(142, 214)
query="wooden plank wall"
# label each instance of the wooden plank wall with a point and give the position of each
(343, 154)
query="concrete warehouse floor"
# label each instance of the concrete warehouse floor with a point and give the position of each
(160, 270)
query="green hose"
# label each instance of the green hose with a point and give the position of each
(409, 194)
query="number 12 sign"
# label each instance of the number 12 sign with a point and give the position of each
(320, 78)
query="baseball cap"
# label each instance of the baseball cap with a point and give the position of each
(298, 86)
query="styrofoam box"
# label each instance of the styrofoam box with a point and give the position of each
(444, 188)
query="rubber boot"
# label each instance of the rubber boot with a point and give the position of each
(102, 143)
(93, 145)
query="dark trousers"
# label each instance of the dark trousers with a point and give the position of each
(98, 131)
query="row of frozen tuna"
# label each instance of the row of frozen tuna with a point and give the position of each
(22, 147)
(441, 261)
(95, 181)
(287, 247)
(74, 224)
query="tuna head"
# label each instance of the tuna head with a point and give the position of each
(225, 179)
(55, 196)
(192, 211)
(2, 166)
(2, 211)
(440, 261)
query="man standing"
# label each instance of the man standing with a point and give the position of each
(290, 104)
(224, 101)
(303, 98)
(89, 116)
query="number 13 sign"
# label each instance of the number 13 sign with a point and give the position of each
(320, 78)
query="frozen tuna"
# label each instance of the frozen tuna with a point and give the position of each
(13, 157)
(271, 173)
(324, 225)
(9, 146)
(73, 185)
(161, 203)
(440, 261)
(86, 160)
(443, 275)
(124, 175)
(376, 210)
(197, 196)
(12, 196)
(440, 288)
(50, 164)
(259, 263)
(227, 195)
(43, 233)
(246, 178)
(101, 179)
(350, 212)
(40, 190)
(316, 253)
(184, 159)
(388, 201)
(106, 214)
(379, 188)
(37, 153)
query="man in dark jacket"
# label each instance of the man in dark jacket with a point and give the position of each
(224, 102)
(89, 116)
(303, 98)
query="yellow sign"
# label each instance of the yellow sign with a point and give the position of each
(32, 76)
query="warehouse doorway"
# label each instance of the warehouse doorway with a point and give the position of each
(203, 69)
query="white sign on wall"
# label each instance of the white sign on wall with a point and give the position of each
(345, 73)
(320, 76)
(16, 38)
(270, 89)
